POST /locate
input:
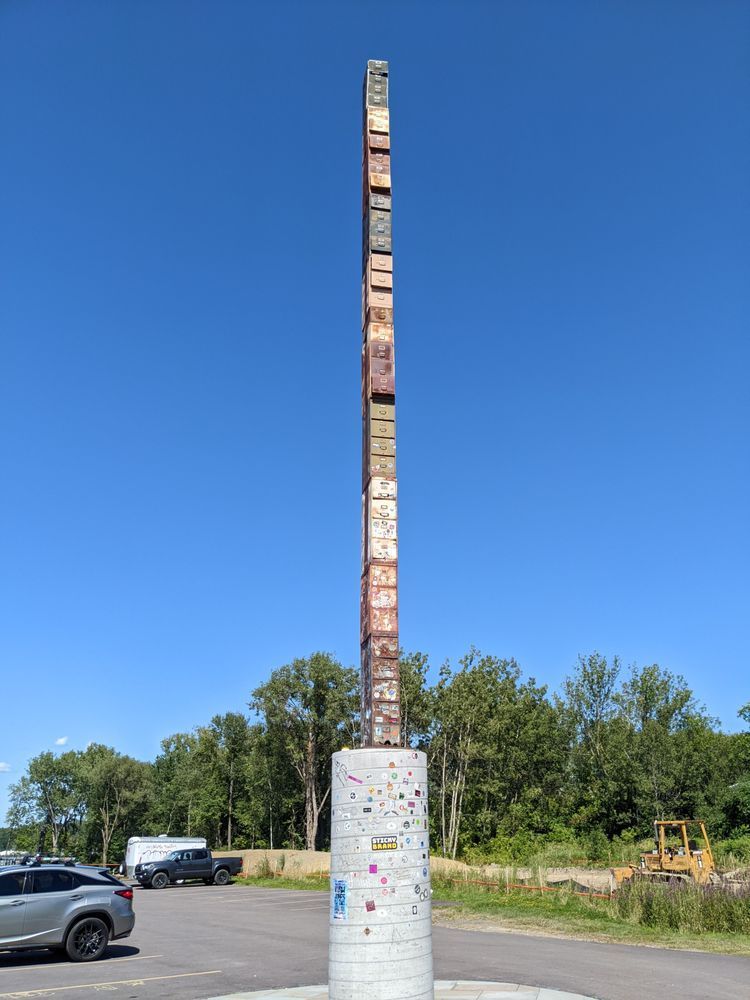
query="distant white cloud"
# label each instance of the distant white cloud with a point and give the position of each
(61, 741)
(4, 768)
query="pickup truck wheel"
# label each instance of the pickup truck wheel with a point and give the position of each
(160, 880)
(87, 940)
(221, 877)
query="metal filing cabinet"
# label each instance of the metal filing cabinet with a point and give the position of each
(382, 446)
(381, 262)
(381, 349)
(378, 163)
(383, 529)
(383, 488)
(380, 279)
(381, 508)
(379, 222)
(384, 620)
(377, 66)
(376, 98)
(376, 140)
(381, 411)
(379, 243)
(382, 201)
(378, 120)
(385, 549)
(382, 576)
(379, 333)
(384, 646)
(382, 465)
(382, 429)
(379, 298)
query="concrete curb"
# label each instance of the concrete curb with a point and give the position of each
(448, 989)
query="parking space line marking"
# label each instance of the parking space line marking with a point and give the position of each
(60, 965)
(113, 982)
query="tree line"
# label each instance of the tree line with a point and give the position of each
(510, 764)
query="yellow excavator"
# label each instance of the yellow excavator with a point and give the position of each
(682, 851)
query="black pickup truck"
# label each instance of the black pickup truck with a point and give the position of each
(181, 866)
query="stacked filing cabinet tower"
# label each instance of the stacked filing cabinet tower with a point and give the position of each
(380, 929)
(381, 715)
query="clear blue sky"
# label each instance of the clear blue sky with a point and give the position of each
(180, 275)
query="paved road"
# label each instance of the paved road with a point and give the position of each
(194, 942)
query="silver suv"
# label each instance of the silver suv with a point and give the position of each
(76, 910)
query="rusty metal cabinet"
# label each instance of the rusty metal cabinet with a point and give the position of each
(381, 349)
(382, 508)
(384, 549)
(377, 140)
(379, 333)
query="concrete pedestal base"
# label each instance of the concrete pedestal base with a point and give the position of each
(380, 935)
(448, 990)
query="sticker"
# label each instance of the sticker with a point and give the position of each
(373, 869)
(414, 910)
(369, 905)
(424, 872)
(384, 843)
(384, 880)
(357, 781)
(340, 893)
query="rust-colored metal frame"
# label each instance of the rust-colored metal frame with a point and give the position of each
(381, 701)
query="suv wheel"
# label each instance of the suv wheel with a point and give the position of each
(221, 877)
(160, 880)
(87, 940)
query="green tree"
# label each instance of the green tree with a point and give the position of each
(308, 709)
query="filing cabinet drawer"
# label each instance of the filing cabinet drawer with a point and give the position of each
(383, 509)
(384, 670)
(383, 489)
(379, 66)
(376, 99)
(382, 576)
(380, 279)
(382, 201)
(384, 646)
(382, 411)
(378, 141)
(378, 163)
(381, 349)
(382, 446)
(381, 261)
(378, 120)
(379, 333)
(378, 314)
(382, 429)
(379, 298)
(382, 465)
(383, 529)
(384, 549)
(379, 242)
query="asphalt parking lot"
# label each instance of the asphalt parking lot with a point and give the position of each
(194, 942)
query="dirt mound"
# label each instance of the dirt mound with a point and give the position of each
(298, 864)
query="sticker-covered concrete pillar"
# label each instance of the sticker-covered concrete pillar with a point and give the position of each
(380, 940)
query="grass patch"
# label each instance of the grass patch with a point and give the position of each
(313, 884)
(565, 914)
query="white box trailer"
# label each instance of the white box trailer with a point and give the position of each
(142, 849)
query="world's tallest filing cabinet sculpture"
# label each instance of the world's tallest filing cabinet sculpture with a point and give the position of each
(380, 919)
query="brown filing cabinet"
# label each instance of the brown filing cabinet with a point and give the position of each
(381, 349)
(378, 120)
(379, 333)
(376, 140)
(381, 261)
(379, 298)
(381, 375)
(384, 646)
(379, 279)
(379, 243)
